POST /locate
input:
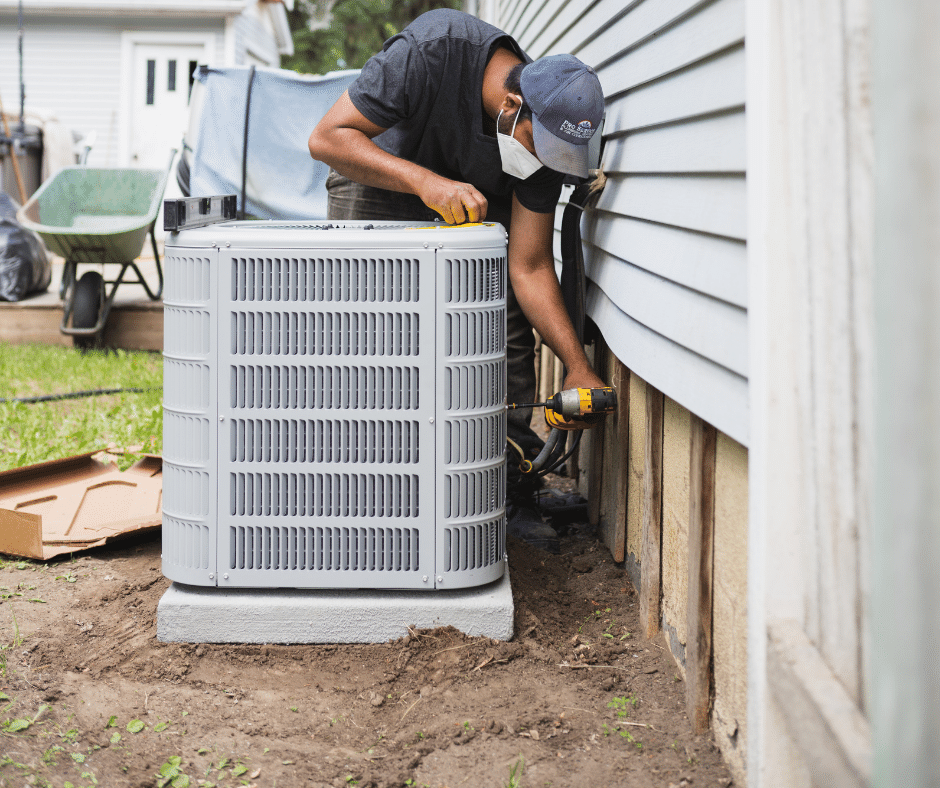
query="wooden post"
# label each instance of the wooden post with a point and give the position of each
(698, 649)
(652, 539)
(596, 481)
(620, 380)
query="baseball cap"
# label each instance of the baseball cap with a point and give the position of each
(567, 108)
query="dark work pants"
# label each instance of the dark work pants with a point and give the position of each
(350, 200)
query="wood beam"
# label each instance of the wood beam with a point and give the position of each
(698, 649)
(652, 538)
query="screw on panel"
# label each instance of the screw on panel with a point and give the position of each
(221, 418)
(424, 579)
(225, 576)
(211, 576)
(431, 420)
(440, 579)
(425, 244)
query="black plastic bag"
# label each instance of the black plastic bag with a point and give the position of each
(25, 267)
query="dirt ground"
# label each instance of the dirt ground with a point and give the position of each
(88, 696)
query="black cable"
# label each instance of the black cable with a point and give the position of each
(76, 395)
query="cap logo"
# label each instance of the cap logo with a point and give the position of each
(583, 130)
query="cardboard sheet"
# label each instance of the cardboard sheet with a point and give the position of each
(66, 505)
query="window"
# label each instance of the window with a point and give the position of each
(151, 80)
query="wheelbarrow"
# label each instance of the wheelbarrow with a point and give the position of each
(99, 216)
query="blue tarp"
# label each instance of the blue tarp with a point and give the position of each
(283, 182)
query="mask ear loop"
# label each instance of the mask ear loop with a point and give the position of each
(512, 131)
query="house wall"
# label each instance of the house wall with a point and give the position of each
(666, 259)
(254, 38)
(87, 48)
(72, 69)
(810, 238)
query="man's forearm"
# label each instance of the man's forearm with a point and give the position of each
(539, 295)
(353, 154)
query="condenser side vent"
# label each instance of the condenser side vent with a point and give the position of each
(474, 386)
(295, 333)
(324, 495)
(276, 386)
(470, 547)
(324, 549)
(326, 440)
(326, 280)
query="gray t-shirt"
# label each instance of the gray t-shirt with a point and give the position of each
(425, 88)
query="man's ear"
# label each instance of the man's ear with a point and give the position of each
(511, 103)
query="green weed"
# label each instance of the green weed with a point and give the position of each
(515, 774)
(171, 774)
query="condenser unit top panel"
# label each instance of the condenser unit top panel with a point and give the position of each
(353, 235)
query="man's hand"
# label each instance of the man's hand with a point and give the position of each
(456, 202)
(586, 379)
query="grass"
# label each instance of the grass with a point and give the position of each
(41, 431)
(515, 774)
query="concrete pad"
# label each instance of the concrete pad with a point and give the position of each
(193, 614)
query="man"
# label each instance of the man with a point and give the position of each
(453, 119)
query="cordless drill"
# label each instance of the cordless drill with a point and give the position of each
(582, 404)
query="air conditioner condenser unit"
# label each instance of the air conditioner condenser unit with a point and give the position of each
(334, 430)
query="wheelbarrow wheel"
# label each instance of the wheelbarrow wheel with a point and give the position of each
(89, 292)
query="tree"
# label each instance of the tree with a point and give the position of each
(338, 34)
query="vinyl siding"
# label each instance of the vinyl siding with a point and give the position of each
(254, 42)
(72, 69)
(665, 250)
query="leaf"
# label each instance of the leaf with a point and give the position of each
(135, 726)
(112, 722)
(115, 737)
(181, 781)
(4, 696)
(239, 770)
(169, 769)
(78, 757)
(160, 726)
(18, 725)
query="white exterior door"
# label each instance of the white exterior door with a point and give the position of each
(160, 85)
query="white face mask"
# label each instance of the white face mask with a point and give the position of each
(517, 161)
